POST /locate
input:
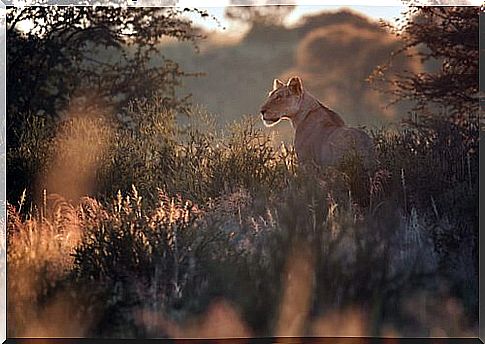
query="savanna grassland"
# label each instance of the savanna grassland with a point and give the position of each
(146, 219)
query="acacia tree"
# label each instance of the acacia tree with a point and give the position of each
(108, 51)
(80, 57)
(448, 36)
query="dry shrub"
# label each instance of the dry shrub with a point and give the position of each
(160, 257)
(209, 166)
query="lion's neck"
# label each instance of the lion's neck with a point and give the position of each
(312, 111)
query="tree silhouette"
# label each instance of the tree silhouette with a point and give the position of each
(448, 36)
(106, 51)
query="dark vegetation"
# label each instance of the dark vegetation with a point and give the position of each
(155, 224)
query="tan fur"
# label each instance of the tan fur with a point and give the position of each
(321, 135)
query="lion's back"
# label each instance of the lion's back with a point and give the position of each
(345, 140)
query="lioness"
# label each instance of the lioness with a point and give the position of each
(321, 135)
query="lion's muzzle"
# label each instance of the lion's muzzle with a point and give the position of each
(268, 120)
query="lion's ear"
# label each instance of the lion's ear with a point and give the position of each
(277, 84)
(295, 85)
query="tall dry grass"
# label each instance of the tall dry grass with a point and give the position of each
(199, 233)
(39, 261)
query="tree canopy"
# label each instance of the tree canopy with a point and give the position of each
(99, 50)
(449, 37)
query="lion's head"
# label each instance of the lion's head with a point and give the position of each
(283, 101)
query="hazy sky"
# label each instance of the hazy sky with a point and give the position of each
(374, 12)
